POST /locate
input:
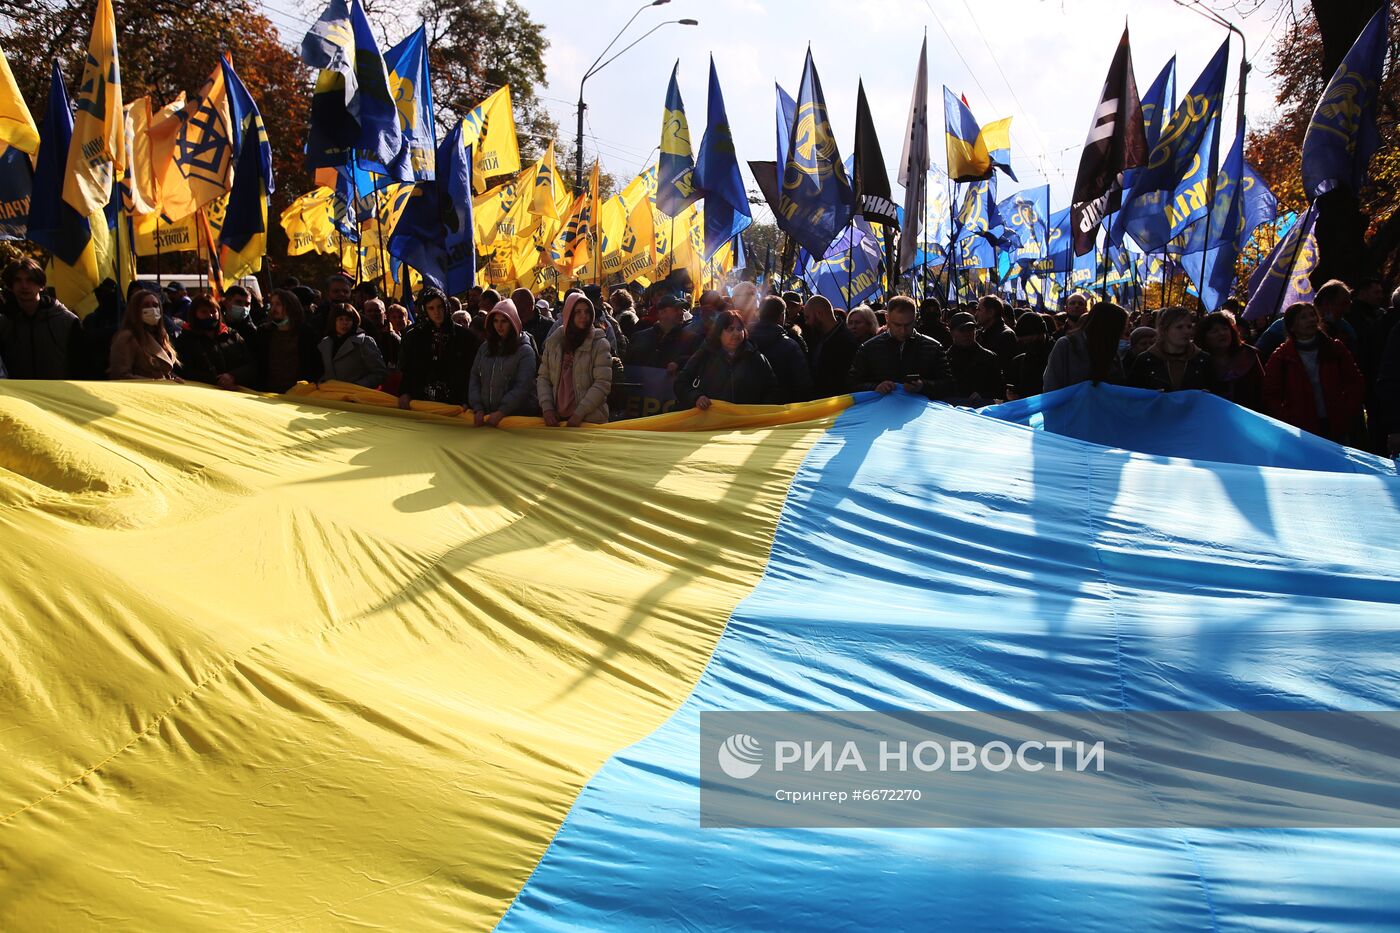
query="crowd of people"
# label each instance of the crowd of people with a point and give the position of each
(1330, 366)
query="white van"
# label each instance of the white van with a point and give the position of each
(196, 283)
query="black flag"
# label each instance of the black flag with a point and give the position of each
(1117, 142)
(871, 182)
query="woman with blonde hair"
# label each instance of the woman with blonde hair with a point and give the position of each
(141, 348)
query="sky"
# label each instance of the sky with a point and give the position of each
(1041, 62)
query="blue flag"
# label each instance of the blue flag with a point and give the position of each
(1284, 277)
(853, 258)
(1026, 214)
(979, 212)
(1178, 167)
(974, 252)
(1342, 136)
(675, 166)
(717, 176)
(786, 113)
(412, 88)
(435, 234)
(1059, 255)
(53, 223)
(352, 107)
(1159, 103)
(816, 195)
(1157, 106)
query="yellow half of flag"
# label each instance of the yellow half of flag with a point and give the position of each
(97, 154)
(17, 127)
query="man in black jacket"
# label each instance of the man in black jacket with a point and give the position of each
(992, 331)
(977, 372)
(784, 354)
(902, 356)
(830, 348)
(666, 344)
(39, 337)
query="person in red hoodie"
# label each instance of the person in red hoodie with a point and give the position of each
(1311, 381)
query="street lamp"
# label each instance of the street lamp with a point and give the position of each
(596, 67)
(1196, 7)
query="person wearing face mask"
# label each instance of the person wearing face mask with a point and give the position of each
(141, 348)
(284, 347)
(212, 353)
(237, 313)
(728, 368)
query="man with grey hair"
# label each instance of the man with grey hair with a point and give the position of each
(902, 356)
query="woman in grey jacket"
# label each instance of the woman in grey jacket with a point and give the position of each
(503, 373)
(350, 355)
(576, 368)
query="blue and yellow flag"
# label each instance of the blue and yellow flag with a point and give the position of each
(974, 151)
(1342, 135)
(816, 196)
(98, 153)
(675, 167)
(53, 223)
(1242, 202)
(19, 142)
(413, 96)
(435, 234)
(1059, 252)
(849, 272)
(717, 175)
(1178, 165)
(352, 107)
(243, 236)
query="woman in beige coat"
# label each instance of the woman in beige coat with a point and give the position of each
(141, 348)
(575, 373)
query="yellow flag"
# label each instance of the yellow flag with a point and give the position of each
(170, 189)
(17, 127)
(157, 234)
(97, 156)
(631, 251)
(140, 169)
(489, 213)
(549, 187)
(204, 147)
(490, 130)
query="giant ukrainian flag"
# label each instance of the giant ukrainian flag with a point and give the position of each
(310, 662)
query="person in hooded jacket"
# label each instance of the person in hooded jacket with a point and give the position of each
(503, 373)
(212, 353)
(1173, 362)
(1028, 368)
(729, 368)
(141, 348)
(436, 354)
(347, 353)
(39, 337)
(576, 372)
(784, 354)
